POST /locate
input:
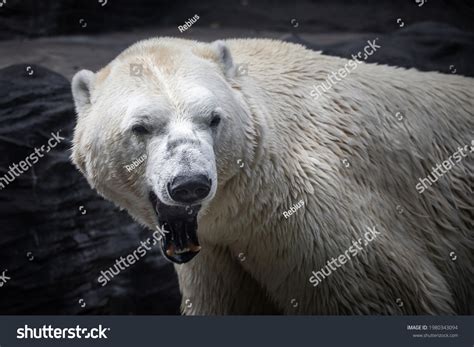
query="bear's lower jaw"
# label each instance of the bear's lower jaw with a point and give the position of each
(179, 241)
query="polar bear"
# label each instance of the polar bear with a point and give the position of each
(234, 137)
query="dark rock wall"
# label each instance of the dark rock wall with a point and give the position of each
(425, 46)
(32, 18)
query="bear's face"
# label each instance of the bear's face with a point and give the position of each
(158, 132)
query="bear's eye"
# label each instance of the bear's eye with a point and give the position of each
(139, 129)
(215, 120)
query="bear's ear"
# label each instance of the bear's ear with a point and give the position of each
(81, 89)
(224, 57)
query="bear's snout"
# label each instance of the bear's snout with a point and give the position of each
(189, 189)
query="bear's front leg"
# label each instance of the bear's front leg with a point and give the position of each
(214, 283)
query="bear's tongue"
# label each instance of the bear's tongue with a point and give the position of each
(179, 230)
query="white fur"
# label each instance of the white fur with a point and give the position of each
(292, 147)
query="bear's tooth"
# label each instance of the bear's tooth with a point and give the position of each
(170, 251)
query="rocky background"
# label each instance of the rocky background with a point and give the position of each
(56, 234)
(32, 18)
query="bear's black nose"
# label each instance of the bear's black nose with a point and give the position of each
(189, 189)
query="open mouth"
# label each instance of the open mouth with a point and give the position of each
(179, 225)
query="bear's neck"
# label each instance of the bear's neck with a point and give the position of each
(269, 181)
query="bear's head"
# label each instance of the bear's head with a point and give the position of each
(159, 131)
